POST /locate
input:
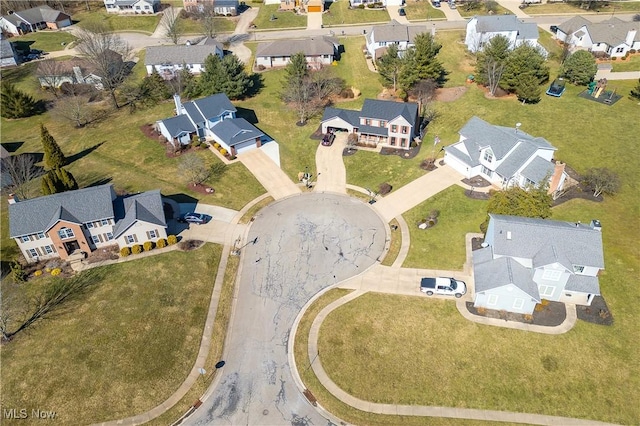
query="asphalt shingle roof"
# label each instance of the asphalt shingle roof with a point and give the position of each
(350, 116)
(80, 206)
(145, 207)
(388, 110)
(313, 46)
(501, 272)
(178, 125)
(613, 31)
(41, 14)
(538, 170)
(234, 131)
(503, 23)
(214, 105)
(181, 54)
(394, 32)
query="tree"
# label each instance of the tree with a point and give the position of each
(601, 181)
(58, 180)
(635, 92)
(51, 76)
(53, 156)
(516, 201)
(491, 62)
(579, 68)
(420, 62)
(207, 18)
(296, 70)
(22, 169)
(423, 91)
(389, 66)
(154, 88)
(193, 169)
(528, 89)
(236, 83)
(16, 104)
(184, 82)
(524, 59)
(107, 52)
(74, 109)
(172, 25)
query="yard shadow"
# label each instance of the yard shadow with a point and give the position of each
(256, 87)
(12, 146)
(83, 153)
(247, 114)
(182, 198)
(100, 181)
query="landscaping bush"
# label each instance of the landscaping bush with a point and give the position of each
(216, 145)
(148, 246)
(17, 270)
(136, 249)
(37, 273)
(125, 251)
(55, 272)
(161, 243)
(172, 239)
(632, 51)
(347, 93)
(384, 188)
(433, 214)
(223, 151)
(261, 67)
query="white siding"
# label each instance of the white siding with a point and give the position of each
(139, 230)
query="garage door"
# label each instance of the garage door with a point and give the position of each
(315, 9)
(242, 147)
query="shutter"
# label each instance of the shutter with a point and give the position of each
(148, 235)
(29, 253)
(38, 250)
(135, 238)
(30, 237)
(100, 238)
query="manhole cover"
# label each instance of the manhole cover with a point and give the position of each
(265, 412)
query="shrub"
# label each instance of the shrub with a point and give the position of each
(161, 243)
(432, 222)
(624, 58)
(223, 151)
(613, 58)
(172, 239)
(347, 93)
(136, 249)
(632, 51)
(37, 273)
(261, 67)
(125, 251)
(55, 272)
(148, 246)
(216, 145)
(18, 272)
(361, 6)
(434, 214)
(384, 188)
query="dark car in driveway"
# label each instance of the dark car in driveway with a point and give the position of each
(401, 12)
(327, 139)
(197, 218)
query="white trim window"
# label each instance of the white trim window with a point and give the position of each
(40, 235)
(492, 299)
(488, 156)
(130, 239)
(153, 234)
(104, 222)
(95, 239)
(89, 225)
(48, 249)
(551, 275)
(65, 233)
(32, 253)
(109, 236)
(578, 269)
(518, 303)
(25, 239)
(546, 290)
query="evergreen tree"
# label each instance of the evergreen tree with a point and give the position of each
(236, 82)
(516, 201)
(154, 89)
(579, 68)
(635, 92)
(53, 156)
(522, 60)
(495, 52)
(528, 89)
(296, 70)
(185, 83)
(212, 78)
(16, 104)
(58, 180)
(420, 62)
(389, 66)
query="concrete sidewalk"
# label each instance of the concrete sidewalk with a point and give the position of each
(331, 173)
(274, 180)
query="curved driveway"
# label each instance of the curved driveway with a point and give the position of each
(305, 243)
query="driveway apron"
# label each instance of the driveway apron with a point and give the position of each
(331, 173)
(272, 178)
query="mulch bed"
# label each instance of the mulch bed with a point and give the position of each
(549, 315)
(597, 313)
(348, 151)
(106, 253)
(402, 153)
(201, 189)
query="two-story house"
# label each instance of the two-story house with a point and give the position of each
(613, 37)
(385, 3)
(168, 60)
(139, 7)
(505, 156)
(525, 260)
(382, 36)
(386, 123)
(481, 29)
(81, 221)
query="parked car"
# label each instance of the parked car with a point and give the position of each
(197, 218)
(401, 12)
(452, 4)
(327, 139)
(554, 28)
(435, 3)
(444, 286)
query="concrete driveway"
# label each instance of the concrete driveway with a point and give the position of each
(332, 175)
(274, 180)
(305, 244)
(393, 14)
(314, 20)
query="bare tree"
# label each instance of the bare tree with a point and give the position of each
(495, 69)
(74, 109)
(108, 53)
(172, 26)
(51, 75)
(207, 18)
(193, 169)
(601, 181)
(22, 169)
(423, 91)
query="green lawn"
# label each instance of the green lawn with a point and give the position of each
(222, 25)
(454, 56)
(632, 63)
(339, 14)
(48, 41)
(422, 10)
(120, 349)
(480, 11)
(284, 19)
(574, 8)
(143, 23)
(369, 169)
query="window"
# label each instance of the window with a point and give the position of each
(48, 249)
(66, 233)
(104, 222)
(367, 121)
(130, 239)
(25, 239)
(32, 253)
(89, 225)
(40, 235)
(153, 234)
(95, 239)
(393, 140)
(488, 156)
(383, 123)
(405, 129)
(487, 171)
(518, 303)
(403, 142)
(492, 300)
(109, 236)
(578, 269)
(394, 128)
(546, 290)
(620, 50)
(551, 275)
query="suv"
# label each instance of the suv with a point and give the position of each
(452, 4)
(327, 139)
(435, 3)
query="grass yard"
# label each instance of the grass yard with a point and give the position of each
(394, 244)
(499, 10)
(284, 19)
(222, 25)
(459, 215)
(143, 23)
(339, 14)
(119, 350)
(369, 169)
(47, 40)
(632, 63)
(454, 56)
(574, 8)
(422, 10)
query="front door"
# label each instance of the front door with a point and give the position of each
(71, 246)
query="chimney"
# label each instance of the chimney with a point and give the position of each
(12, 199)
(178, 103)
(595, 224)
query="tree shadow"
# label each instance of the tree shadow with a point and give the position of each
(100, 181)
(83, 153)
(247, 114)
(257, 85)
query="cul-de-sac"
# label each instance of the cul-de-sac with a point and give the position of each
(315, 212)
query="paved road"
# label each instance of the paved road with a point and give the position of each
(305, 243)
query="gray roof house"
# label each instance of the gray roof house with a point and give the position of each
(36, 18)
(613, 37)
(167, 60)
(505, 156)
(8, 55)
(318, 51)
(386, 123)
(481, 29)
(238, 134)
(84, 220)
(525, 260)
(381, 36)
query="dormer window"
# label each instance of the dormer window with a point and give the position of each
(488, 156)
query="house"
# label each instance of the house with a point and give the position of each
(132, 6)
(201, 118)
(36, 18)
(8, 55)
(525, 260)
(82, 221)
(481, 29)
(318, 51)
(385, 123)
(613, 37)
(505, 156)
(381, 36)
(73, 71)
(384, 3)
(167, 60)
(219, 7)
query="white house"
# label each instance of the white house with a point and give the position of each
(386, 123)
(318, 51)
(36, 18)
(139, 7)
(219, 7)
(71, 71)
(167, 60)
(481, 29)
(525, 260)
(504, 156)
(385, 3)
(84, 220)
(382, 36)
(613, 37)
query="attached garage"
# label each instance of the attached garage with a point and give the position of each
(237, 135)
(315, 6)
(340, 119)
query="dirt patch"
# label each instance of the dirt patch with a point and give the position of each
(150, 132)
(500, 93)
(201, 189)
(450, 94)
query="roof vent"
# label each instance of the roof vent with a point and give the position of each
(508, 235)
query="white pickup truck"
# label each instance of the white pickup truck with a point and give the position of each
(443, 285)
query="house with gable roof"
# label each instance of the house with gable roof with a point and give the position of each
(386, 123)
(481, 29)
(132, 6)
(318, 52)
(8, 55)
(36, 18)
(84, 220)
(525, 260)
(168, 60)
(613, 37)
(505, 156)
(382, 36)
